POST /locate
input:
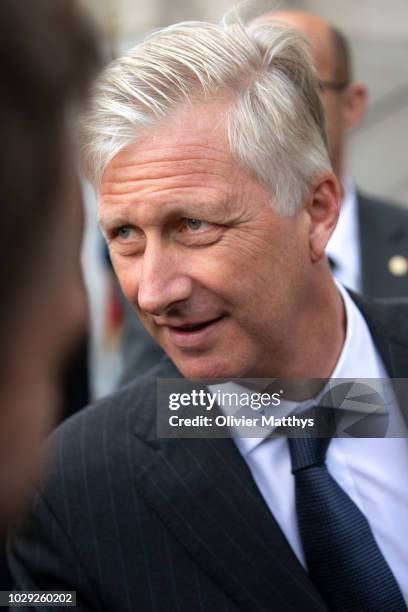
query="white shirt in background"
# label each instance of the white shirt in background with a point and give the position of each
(343, 247)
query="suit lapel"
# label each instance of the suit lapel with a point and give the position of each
(395, 358)
(204, 492)
(389, 329)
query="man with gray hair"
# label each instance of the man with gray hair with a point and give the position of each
(368, 250)
(206, 144)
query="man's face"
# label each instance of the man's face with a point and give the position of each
(214, 274)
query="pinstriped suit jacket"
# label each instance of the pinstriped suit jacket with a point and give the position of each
(133, 523)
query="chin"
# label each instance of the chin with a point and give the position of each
(208, 368)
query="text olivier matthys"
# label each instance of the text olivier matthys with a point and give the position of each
(254, 401)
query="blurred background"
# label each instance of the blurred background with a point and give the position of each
(377, 158)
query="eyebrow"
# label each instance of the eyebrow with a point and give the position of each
(109, 222)
(111, 219)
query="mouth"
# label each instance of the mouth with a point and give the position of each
(194, 335)
(189, 327)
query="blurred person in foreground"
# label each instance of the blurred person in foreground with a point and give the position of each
(47, 56)
(206, 144)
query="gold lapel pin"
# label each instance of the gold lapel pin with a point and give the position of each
(398, 265)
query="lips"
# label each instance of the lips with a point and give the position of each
(194, 335)
(188, 327)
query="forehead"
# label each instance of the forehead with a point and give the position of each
(187, 154)
(197, 128)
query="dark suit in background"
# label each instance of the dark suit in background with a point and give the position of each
(383, 232)
(136, 523)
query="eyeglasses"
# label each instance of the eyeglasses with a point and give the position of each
(332, 85)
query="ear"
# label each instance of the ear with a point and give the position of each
(355, 100)
(323, 209)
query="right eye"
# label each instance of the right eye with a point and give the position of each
(126, 240)
(123, 232)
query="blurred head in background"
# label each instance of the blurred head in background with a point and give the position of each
(344, 100)
(47, 57)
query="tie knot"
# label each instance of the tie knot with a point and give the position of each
(305, 452)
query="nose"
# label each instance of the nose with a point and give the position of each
(163, 280)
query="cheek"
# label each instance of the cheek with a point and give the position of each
(127, 272)
(220, 267)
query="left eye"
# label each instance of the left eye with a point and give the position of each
(195, 224)
(124, 232)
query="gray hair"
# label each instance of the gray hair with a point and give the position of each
(274, 125)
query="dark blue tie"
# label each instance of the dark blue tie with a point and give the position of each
(343, 559)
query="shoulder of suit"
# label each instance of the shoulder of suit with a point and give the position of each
(115, 416)
(387, 317)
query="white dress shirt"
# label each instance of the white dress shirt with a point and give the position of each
(372, 471)
(343, 247)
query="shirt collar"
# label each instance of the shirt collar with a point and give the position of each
(358, 359)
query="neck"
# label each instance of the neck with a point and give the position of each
(316, 341)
